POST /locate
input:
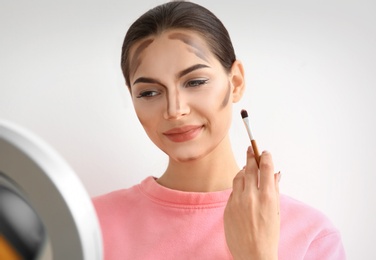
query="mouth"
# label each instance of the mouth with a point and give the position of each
(183, 134)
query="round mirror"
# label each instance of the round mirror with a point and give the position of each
(45, 211)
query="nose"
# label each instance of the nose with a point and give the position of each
(177, 106)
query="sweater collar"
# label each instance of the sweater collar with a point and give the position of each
(163, 195)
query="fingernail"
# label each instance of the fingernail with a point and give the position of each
(279, 176)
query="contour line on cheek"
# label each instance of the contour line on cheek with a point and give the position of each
(227, 96)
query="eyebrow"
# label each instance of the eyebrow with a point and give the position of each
(146, 80)
(190, 69)
(178, 75)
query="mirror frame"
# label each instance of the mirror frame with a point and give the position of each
(54, 191)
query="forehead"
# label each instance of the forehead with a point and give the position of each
(190, 38)
(194, 42)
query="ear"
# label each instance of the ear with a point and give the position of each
(237, 81)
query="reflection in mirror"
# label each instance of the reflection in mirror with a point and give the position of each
(22, 234)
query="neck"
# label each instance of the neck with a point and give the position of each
(214, 172)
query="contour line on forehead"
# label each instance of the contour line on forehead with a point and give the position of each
(197, 48)
(135, 61)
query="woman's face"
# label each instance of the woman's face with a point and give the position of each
(181, 94)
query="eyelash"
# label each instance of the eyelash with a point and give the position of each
(190, 84)
(148, 94)
(196, 83)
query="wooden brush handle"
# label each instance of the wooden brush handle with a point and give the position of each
(256, 152)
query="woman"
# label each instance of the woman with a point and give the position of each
(181, 70)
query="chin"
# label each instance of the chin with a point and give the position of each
(186, 154)
(186, 159)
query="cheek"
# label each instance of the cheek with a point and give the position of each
(218, 97)
(150, 125)
(146, 118)
(221, 107)
(227, 96)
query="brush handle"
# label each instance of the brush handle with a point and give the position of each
(256, 152)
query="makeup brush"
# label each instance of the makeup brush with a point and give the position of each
(244, 114)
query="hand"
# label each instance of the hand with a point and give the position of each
(251, 217)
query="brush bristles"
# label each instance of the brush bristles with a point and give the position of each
(244, 113)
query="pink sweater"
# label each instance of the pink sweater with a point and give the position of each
(149, 221)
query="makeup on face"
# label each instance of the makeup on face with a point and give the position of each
(181, 94)
(196, 48)
(227, 97)
(193, 45)
(135, 61)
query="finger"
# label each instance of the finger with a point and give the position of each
(251, 164)
(277, 194)
(277, 179)
(251, 171)
(266, 171)
(238, 183)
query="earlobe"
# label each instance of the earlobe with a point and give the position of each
(237, 81)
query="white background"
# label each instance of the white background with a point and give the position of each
(310, 70)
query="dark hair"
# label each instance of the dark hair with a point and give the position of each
(180, 15)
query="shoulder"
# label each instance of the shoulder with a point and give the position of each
(309, 229)
(116, 200)
(115, 209)
(122, 200)
(302, 214)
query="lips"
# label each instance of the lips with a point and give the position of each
(183, 134)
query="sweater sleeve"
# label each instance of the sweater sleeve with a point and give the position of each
(328, 246)
(306, 233)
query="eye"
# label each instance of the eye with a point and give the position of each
(196, 82)
(148, 94)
